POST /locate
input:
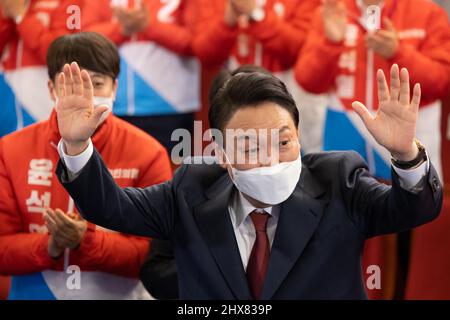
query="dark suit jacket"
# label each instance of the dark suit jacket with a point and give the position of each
(316, 253)
(159, 272)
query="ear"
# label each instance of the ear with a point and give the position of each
(51, 90)
(115, 86)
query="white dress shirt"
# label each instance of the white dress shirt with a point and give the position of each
(244, 229)
(239, 207)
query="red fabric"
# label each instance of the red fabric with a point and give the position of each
(424, 51)
(429, 273)
(28, 159)
(281, 34)
(44, 21)
(259, 257)
(445, 134)
(175, 35)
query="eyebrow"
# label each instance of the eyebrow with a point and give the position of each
(284, 128)
(247, 136)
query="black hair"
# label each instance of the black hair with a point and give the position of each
(90, 50)
(244, 87)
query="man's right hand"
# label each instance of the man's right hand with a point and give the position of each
(334, 20)
(77, 118)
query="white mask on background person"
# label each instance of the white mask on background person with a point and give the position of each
(104, 101)
(271, 185)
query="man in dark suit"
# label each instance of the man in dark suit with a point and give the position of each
(281, 227)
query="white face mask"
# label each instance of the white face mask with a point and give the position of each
(271, 185)
(104, 101)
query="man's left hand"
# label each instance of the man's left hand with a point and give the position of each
(394, 124)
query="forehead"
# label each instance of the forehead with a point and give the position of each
(267, 115)
(96, 74)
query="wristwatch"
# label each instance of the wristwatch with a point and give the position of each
(418, 160)
(258, 14)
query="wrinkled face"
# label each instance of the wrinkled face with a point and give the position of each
(262, 135)
(104, 86)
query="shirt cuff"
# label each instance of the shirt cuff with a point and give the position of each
(74, 164)
(410, 178)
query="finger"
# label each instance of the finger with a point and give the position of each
(60, 86)
(363, 113)
(383, 91)
(77, 82)
(388, 24)
(60, 240)
(47, 218)
(63, 217)
(385, 34)
(395, 82)
(59, 222)
(415, 102)
(340, 7)
(98, 113)
(404, 87)
(72, 215)
(376, 38)
(51, 216)
(88, 89)
(68, 79)
(50, 223)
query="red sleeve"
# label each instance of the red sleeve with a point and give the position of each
(119, 253)
(429, 64)
(159, 169)
(317, 65)
(213, 39)
(285, 37)
(20, 252)
(110, 252)
(7, 30)
(176, 36)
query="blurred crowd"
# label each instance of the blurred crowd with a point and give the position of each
(327, 53)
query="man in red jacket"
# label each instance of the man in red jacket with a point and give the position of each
(266, 33)
(50, 251)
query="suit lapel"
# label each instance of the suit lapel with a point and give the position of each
(299, 218)
(216, 228)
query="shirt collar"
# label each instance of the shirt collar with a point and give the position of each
(242, 209)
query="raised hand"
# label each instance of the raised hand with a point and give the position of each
(77, 118)
(394, 124)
